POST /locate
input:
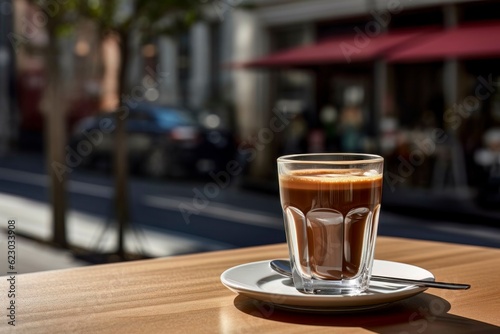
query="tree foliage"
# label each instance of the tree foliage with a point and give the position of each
(150, 17)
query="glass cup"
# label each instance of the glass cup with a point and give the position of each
(331, 206)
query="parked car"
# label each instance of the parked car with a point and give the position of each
(162, 141)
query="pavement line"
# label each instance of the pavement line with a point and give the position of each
(43, 181)
(24, 177)
(91, 189)
(217, 210)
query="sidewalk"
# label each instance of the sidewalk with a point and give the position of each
(84, 231)
(32, 256)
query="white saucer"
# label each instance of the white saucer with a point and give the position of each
(257, 280)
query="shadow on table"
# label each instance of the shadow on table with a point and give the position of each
(424, 313)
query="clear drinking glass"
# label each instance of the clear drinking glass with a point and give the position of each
(331, 206)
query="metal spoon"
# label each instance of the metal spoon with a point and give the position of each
(282, 267)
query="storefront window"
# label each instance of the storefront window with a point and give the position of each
(350, 99)
(183, 72)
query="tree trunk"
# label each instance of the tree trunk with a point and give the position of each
(121, 154)
(55, 132)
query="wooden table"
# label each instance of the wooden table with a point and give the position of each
(184, 294)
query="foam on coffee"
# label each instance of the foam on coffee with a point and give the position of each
(308, 178)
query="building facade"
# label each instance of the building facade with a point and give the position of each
(376, 105)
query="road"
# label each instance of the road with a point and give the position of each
(233, 218)
(198, 213)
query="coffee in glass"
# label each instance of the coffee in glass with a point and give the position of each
(331, 205)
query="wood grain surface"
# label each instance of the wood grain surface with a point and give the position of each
(184, 294)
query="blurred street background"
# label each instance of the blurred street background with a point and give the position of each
(133, 129)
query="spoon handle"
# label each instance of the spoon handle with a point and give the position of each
(427, 284)
(283, 268)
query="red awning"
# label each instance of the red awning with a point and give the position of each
(469, 41)
(358, 47)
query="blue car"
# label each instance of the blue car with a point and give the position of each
(161, 141)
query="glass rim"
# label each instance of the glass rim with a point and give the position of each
(366, 158)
